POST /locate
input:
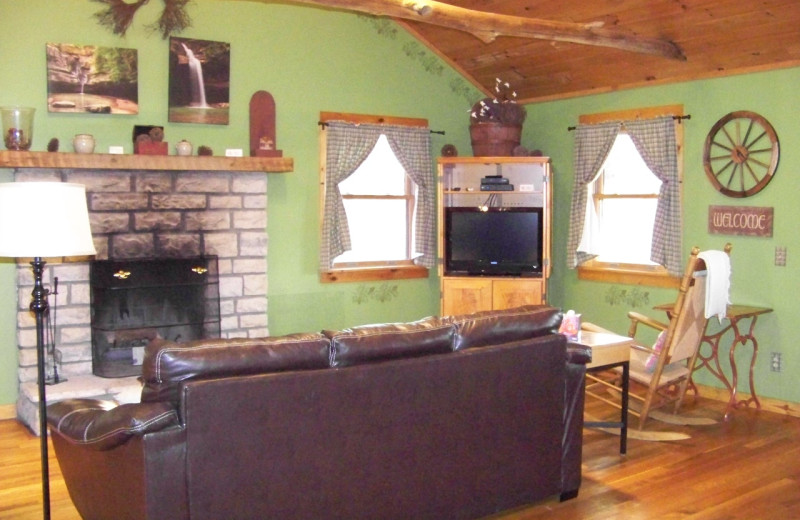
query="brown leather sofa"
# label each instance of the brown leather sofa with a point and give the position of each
(444, 418)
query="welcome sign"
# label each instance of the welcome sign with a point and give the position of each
(739, 220)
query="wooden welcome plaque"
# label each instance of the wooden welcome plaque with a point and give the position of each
(740, 220)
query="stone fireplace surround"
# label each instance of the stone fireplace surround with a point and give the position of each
(145, 214)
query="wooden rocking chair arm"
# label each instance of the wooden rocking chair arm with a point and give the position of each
(637, 318)
(642, 348)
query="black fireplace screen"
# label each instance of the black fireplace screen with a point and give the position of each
(134, 301)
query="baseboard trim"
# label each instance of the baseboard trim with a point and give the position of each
(768, 404)
(8, 411)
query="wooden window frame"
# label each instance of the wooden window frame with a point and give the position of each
(634, 274)
(371, 271)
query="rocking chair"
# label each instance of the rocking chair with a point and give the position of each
(666, 367)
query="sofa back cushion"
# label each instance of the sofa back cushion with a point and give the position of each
(503, 326)
(370, 343)
(167, 364)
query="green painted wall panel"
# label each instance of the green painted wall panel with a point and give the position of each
(314, 60)
(310, 60)
(755, 280)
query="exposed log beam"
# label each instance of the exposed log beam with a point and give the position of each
(488, 26)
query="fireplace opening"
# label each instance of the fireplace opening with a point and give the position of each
(134, 301)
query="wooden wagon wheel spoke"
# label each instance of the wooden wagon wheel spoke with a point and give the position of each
(738, 168)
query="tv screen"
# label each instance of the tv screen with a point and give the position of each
(496, 242)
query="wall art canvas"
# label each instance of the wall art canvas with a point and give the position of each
(199, 81)
(92, 80)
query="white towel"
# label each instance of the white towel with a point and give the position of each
(718, 283)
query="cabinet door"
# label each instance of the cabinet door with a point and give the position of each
(466, 295)
(516, 292)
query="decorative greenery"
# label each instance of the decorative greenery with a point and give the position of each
(119, 14)
(418, 52)
(382, 293)
(502, 108)
(460, 87)
(633, 298)
(382, 26)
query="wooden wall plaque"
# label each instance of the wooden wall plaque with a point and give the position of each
(740, 220)
(263, 140)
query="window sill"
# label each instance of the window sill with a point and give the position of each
(373, 273)
(629, 276)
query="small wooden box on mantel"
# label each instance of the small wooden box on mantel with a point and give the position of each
(151, 148)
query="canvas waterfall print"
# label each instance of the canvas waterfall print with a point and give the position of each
(93, 80)
(199, 81)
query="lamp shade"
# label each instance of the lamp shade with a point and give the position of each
(44, 219)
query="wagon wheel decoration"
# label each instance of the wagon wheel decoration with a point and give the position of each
(741, 154)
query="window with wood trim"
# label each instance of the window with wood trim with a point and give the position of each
(621, 206)
(372, 205)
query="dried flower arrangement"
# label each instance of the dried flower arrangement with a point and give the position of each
(502, 108)
(119, 15)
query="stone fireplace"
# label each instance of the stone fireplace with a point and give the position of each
(140, 215)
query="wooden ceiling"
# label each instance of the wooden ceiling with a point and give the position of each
(717, 37)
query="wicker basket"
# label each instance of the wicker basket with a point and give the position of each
(494, 139)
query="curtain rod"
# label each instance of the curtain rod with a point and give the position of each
(676, 118)
(323, 124)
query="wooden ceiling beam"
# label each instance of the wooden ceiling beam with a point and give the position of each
(488, 26)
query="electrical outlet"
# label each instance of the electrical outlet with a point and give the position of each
(780, 256)
(776, 362)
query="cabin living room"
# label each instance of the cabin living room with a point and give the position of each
(321, 60)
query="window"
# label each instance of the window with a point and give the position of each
(377, 191)
(625, 223)
(379, 202)
(624, 187)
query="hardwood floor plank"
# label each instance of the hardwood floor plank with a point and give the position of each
(744, 469)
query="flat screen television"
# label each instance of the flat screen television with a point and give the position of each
(493, 242)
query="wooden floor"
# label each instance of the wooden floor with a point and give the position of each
(747, 468)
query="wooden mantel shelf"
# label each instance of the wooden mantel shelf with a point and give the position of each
(99, 161)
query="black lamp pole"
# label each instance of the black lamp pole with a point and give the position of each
(39, 309)
(59, 227)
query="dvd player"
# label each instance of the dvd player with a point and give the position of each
(494, 179)
(497, 187)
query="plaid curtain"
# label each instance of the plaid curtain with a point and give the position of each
(592, 144)
(655, 141)
(348, 144)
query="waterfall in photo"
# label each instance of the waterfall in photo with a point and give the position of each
(196, 82)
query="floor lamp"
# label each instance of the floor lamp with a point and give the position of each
(39, 220)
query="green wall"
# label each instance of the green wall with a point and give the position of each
(314, 60)
(310, 60)
(755, 280)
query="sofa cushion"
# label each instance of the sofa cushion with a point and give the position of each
(167, 364)
(503, 326)
(370, 343)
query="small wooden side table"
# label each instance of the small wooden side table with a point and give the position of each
(610, 351)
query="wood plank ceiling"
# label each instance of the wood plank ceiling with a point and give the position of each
(718, 38)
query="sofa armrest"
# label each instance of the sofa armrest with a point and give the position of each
(574, 394)
(102, 425)
(578, 354)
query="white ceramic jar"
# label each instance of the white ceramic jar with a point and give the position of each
(183, 147)
(83, 143)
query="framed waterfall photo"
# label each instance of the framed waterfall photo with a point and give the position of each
(199, 81)
(92, 80)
